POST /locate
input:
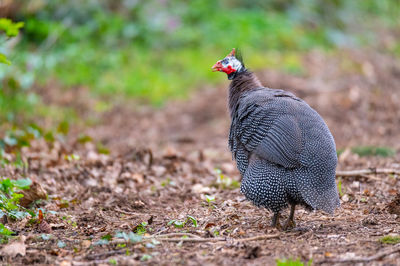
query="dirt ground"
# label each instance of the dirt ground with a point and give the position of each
(173, 162)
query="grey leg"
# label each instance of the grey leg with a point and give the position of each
(275, 220)
(289, 224)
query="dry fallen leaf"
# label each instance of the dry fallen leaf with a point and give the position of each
(199, 188)
(393, 207)
(15, 248)
(35, 192)
(209, 225)
(65, 263)
(57, 226)
(86, 243)
(328, 254)
(138, 178)
(45, 227)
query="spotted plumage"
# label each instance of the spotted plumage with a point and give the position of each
(282, 147)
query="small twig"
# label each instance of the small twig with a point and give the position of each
(92, 262)
(130, 213)
(174, 239)
(105, 254)
(191, 239)
(195, 238)
(150, 153)
(377, 256)
(178, 234)
(254, 238)
(369, 171)
(159, 232)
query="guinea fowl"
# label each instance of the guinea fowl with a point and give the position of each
(283, 149)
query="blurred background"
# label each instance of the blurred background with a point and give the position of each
(76, 57)
(112, 107)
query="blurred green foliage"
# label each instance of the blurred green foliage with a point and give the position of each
(9, 203)
(374, 151)
(157, 49)
(390, 239)
(10, 29)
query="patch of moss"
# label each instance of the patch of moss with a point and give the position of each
(390, 239)
(291, 262)
(373, 151)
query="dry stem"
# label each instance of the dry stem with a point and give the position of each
(197, 239)
(377, 256)
(369, 171)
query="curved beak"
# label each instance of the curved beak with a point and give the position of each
(217, 66)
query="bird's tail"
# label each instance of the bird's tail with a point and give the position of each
(319, 191)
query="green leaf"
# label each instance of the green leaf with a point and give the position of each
(101, 148)
(210, 198)
(4, 60)
(46, 236)
(112, 261)
(4, 231)
(134, 238)
(107, 237)
(11, 28)
(179, 224)
(145, 257)
(84, 138)
(18, 214)
(101, 242)
(6, 185)
(63, 127)
(10, 141)
(140, 229)
(22, 183)
(194, 221)
(121, 235)
(171, 222)
(61, 244)
(49, 137)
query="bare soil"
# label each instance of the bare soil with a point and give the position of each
(163, 162)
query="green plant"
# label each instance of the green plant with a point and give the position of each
(291, 262)
(374, 151)
(11, 29)
(390, 239)
(132, 237)
(61, 244)
(210, 199)
(339, 187)
(141, 228)
(225, 182)
(181, 224)
(145, 257)
(167, 181)
(9, 198)
(9, 203)
(5, 233)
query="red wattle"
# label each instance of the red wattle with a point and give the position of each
(228, 70)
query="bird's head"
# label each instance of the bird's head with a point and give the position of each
(232, 64)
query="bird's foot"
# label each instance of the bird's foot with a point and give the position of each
(275, 221)
(277, 226)
(289, 224)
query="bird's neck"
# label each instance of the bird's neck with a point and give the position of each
(243, 82)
